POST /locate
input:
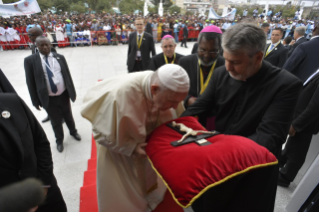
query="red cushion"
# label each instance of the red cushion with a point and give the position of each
(189, 170)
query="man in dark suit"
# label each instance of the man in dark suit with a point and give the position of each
(51, 87)
(200, 66)
(148, 27)
(169, 56)
(304, 125)
(26, 149)
(276, 53)
(299, 39)
(304, 60)
(33, 33)
(185, 36)
(140, 45)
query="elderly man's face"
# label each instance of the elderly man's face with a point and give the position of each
(44, 46)
(240, 66)
(166, 99)
(208, 51)
(275, 36)
(168, 47)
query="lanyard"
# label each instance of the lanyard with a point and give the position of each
(172, 60)
(202, 84)
(139, 42)
(49, 66)
(267, 53)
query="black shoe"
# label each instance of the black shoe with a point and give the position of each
(186, 47)
(282, 182)
(77, 137)
(46, 119)
(60, 147)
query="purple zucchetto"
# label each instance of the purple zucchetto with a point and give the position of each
(167, 36)
(212, 29)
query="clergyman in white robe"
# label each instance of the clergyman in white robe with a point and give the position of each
(122, 114)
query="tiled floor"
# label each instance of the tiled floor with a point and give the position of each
(87, 65)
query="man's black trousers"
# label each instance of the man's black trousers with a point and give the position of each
(60, 108)
(294, 154)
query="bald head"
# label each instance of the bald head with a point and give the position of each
(34, 32)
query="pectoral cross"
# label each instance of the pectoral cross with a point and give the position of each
(190, 135)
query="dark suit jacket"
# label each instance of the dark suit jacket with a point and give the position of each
(294, 46)
(33, 49)
(190, 64)
(31, 146)
(147, 47)
(148, 28)
(158, 60)
(195, 48)
(306, 116)
(304, 60)
(23, 137)
(5, 85)
(185, 32)
(36, 81)
(260, 108)
(278, 56)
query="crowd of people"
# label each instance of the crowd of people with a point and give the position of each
(113, 29)
(234, 81)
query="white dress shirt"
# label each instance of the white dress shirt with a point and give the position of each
(314, 37)
(56, 69)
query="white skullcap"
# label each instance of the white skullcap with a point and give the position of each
(174, 77)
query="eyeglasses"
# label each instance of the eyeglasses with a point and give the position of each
(206, 52)
(138, 24)
(31, 35)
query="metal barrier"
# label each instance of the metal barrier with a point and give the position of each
(91, 38)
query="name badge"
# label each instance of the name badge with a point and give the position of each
(138, 53)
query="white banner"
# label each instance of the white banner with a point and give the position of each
(23, 7)
(229, 16)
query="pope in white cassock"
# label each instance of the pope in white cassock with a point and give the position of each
(123, 111)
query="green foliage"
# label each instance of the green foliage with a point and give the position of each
(166, 3)
(78, 7)
(174, 8)
(45, 4)
(189, 13)
(8, 1)
(129, 6)
(61, 5)
(104, 5)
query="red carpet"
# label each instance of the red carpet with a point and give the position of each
(88, 197)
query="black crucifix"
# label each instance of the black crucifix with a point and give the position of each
(190, 135)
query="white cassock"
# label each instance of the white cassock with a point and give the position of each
(59, 33)
(3, 37)
(122, 114)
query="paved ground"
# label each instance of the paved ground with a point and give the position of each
(87, 65)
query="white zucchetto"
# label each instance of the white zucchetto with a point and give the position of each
(174, 77)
